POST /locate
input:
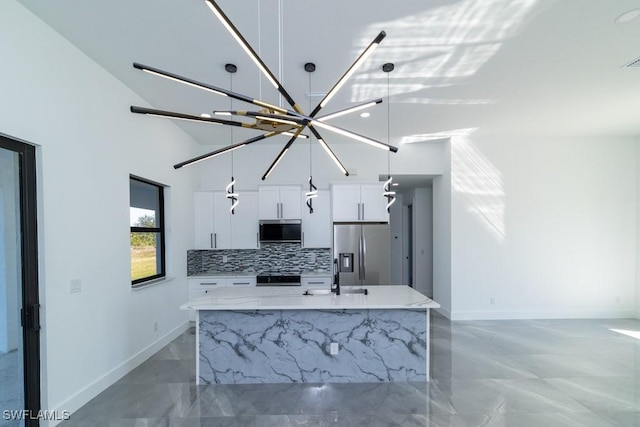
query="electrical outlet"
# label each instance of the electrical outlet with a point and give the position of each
(225, 258)
(155, 326)
(334, 348)
(75, 286)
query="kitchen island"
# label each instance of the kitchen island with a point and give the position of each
(279, 335)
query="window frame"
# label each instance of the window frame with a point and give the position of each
(161, 230)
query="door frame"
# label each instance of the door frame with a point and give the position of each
(30, 313)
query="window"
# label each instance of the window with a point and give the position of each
(147, 230)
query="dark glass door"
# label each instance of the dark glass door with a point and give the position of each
(19, 306)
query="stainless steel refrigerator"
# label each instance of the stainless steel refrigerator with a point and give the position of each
(362, 253)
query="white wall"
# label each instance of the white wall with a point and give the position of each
(366, 162)
(57, 98)
(638, 228)
(442, 244)
(543, 228)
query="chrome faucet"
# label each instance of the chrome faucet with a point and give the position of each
(335, 286)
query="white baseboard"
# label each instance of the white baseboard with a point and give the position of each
(77, 400)
(552, 314)
(445, 312)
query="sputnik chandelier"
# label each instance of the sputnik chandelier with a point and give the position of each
(271, 119)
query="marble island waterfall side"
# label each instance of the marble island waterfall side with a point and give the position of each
(283, 337)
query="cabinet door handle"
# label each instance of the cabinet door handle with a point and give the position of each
(257, 240)
(316, 283)
(362, 212)
(241, 283)
(215, 240)
(211, 238)
(303, 240)
(208, 283)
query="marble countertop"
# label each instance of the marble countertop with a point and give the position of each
(284, 298)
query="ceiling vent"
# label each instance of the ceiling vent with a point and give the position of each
(633, 64)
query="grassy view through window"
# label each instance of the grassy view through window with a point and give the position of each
(147, 231)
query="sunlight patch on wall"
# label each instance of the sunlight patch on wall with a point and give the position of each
(633, 334)
(442, 46)
(480, 182)
(436, 136)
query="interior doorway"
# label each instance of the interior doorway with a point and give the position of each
(19, 302)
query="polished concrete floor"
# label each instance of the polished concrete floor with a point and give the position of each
(484, 373)
(11, 388)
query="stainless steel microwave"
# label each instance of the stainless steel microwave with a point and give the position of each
(281, 230)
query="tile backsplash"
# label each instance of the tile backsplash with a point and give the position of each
(271, 257)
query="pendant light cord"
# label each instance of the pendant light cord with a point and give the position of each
(231, 127)
(310, 136)
(388, 129)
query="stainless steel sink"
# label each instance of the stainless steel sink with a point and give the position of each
(343, 291)
(317, 292)
(355, 291)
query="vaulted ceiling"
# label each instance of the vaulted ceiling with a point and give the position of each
(550, 67)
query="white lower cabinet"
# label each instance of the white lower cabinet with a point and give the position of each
(201, 286)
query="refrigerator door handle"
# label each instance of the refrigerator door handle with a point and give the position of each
(360, 258)
(364, 252)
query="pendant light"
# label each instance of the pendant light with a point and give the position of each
(386, 187)
(230, 188)
(310, 67)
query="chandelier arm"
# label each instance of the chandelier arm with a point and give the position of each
(189, 117)
(350, 110)
(354, 136)
(281, 154)
(357, 63)
(224, 150)
(295, 120)
(244, 44)
(211, 88)
(328, 150)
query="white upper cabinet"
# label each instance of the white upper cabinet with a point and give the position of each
(359, 202)
(346, 202)
(203, 219)
(374, 204)
(280, 202)
(216, 228)
(244, 224)
(316, 227)
(221, 221)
